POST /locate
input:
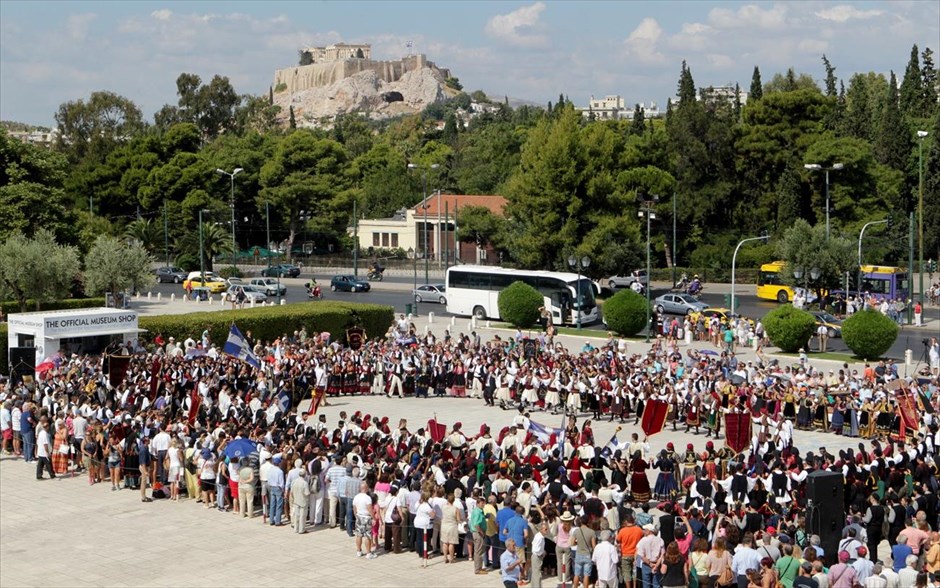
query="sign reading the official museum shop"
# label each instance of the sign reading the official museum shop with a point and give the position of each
(78, 325)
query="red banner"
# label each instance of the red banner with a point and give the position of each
(195, 400)
(654, 416)
(436, 430)
(117, 369)
(907, 409)
(737, 431)
(154, 379)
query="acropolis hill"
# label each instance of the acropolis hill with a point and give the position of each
(344, 78)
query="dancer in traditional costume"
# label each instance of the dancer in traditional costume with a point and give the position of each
(639, 482)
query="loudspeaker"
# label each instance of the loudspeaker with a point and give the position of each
(22, 363)
(825, 510)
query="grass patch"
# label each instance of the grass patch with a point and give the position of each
(827, 355)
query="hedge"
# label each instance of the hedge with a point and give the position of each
(12, 306)
(265, 323)
(789, 328)
(626, 312)
(869, 334)
(519, 305)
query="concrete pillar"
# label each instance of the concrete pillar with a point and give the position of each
(173, 297)
(688, 336)
(283, 302)
(487, 324)
(430, 317)
(908, 357)
(411, 317)
(473, 322)
(148, 295)
(159, 296)
(210, 300)
(251, 303)
(453, 321)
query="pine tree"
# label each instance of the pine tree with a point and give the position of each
(791, 81)
(757, 89)
(928, 76)
(449, 134)
(686, 86)
(549, 107)
(737, 103)
(830, 76)
(912, 94)
(932, 191)
(893, 140)
(293, 121)
(639, 121)
(858, 119)
(838, 113)
(789, 197)
(270, 95)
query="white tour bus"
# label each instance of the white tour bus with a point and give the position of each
(473, 290)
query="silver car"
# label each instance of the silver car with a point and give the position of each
(431, 293)
(615, 282)
(251, 293)
(678, 304)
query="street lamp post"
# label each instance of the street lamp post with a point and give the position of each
(921, 135)
(231, 177)
(647, 210)
(861, 235)
(818, 167)
(424, 200)
(734, 259)
(579, 264)
(413, 254)
(202, 257)
(813, 275)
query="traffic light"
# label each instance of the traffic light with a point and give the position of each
(890, 221)
(931, 267)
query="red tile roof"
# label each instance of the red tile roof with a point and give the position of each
(452, 202)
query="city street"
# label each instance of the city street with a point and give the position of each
(396, 292)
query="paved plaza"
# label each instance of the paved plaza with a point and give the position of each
(64, 532)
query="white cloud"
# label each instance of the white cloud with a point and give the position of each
(844, 12)
(163, 14)
(749, 16)
(813, 46)
(77, 25)
(719, 61)
(642, 43)
(516, 27)
(693, 36)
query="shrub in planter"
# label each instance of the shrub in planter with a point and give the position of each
(230, 271)
(789, 328)
(869, 334)
(519, 305)
(626, 312)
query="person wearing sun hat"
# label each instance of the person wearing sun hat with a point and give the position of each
(842, 575)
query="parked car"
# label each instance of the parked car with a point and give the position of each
(430, 292)
(723, 314)
(678, 304)
(251, 293)
(832, 323)
(285, 270)
(347, 283)
(614, 282)
(269, 285)
(235, 282)
(173, 275)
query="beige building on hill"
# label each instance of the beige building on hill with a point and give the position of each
(432, 221)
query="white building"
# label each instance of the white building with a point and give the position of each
(615, 108)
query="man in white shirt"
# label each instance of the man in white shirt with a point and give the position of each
(159, 445)
(6, 426)
(538, 552)
(43, 449)
(605, 558)
(362, 509)
(299, 499)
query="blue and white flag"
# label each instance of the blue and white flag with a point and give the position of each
(237, 346)
(284, 402)
(543, 433)
(613, 445)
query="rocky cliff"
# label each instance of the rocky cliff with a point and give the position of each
(378, 89)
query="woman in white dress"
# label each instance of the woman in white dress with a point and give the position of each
(530, 393)
(552, 397)
(578, 387)
(502, 388)
(174, 466)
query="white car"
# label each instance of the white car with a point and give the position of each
(431, 293)
(269, 286)
(251, 293)
(615, 282)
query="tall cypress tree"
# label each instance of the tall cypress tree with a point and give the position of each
(686, 91)
(737, 103)
(912, 94)
(928, 76)
(757, 88)
(893, 140)
(789, 197)
(292, 123)
(638, 125)
(932, 191)
(830, 76)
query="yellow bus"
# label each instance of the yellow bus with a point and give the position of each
(769, 284)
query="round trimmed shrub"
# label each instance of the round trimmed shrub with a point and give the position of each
(625, 312)
(519, 305)
(789, 328)
(869, 333)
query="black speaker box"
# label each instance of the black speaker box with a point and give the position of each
(22, 363)
(825, 510)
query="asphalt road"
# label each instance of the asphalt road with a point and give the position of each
(396, 292)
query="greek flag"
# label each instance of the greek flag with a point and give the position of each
(613, 445)
(541, 432)
(237, 346)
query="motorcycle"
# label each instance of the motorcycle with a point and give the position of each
(695, 288)
(638, 288)
(682, 284)
(314, 293)
(375, 274)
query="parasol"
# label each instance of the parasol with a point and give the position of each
(736, 379)
(708, 352)
(240, 448)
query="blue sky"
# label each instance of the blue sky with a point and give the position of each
(53, 52)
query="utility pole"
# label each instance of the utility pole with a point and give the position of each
(355, 240)
(446, 234)
(231, 176)
(920, 217)
(646, 210)
(675, 256)
(166, 237)
(910, 270)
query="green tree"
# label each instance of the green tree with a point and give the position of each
(307, 179)
(804, 247)
(893, 142)
(789, 198)
(932, 191)
(911, 94)
(830, 76)
(790, 82)
(36, 268)
(869, 334)
(304, 57)
(626, 312)
(92, 129)
(211, 107)
(449, 134)
(789, 328)
(113, 265)
(928, 76)
(638, 124)
(478, 225)
(519, 305)
(292, 122)
(144, 233)
(757, 89)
